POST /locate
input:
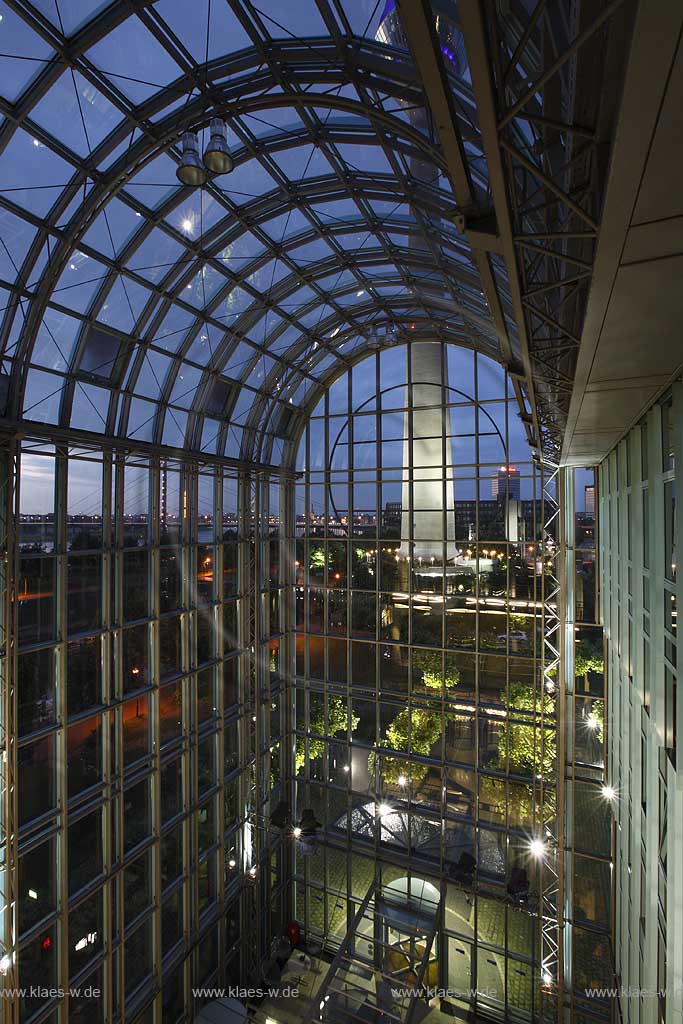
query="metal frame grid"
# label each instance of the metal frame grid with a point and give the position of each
(209, 874)
(9, 483)
(320, 478)
(195, 314)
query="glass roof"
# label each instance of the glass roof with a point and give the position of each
(202, 318)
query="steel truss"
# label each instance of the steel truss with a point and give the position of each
(550, 825)
(9, 819)
(553, 78)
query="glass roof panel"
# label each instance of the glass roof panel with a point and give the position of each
(124, 304)
(69, 15)
(55, 341)
(17, 235)
(173, 328)
(293, 19)
(31, 174)
(235, 303)
(131, 46)
(113, 228)
(141, 419)
(84, 115)
(187, 269)
(286, 224)
(240, 251)
(249, 180)
(155, 257)
(303, 162)
(191, 28)
(42, 396)
(370, 159)
(79, 282)
(25, 52)
(364, 16)
(152, 373)
(89, 408)
(185, 385)
(155, 182)
(273, 122)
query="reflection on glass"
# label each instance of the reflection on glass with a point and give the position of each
(37, 779)
(36, 690)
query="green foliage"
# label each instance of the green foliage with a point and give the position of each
(530, 749)
(317, 558)
(336, 722)
(429, 663)
(414, 730)
(588, 657)
(521, 623)
(598, 715)
(516, 801)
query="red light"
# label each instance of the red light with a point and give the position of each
(47, 942)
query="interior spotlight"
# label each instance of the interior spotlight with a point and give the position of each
(296, 832)
(191, 171)
(307, 830)
(402, 780)
(373, 339)
(609, 792)
(217, 156)
(309, 824)
(592, 723)
(383, 809)
(281, 816)
(537, 848)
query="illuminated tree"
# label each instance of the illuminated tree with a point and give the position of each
(597, 715)
(529, 748)
(317, 558)
(337, 717)
(588, 657)
(433, 674)
(415, 731)
(516, 801)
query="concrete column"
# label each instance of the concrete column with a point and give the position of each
(428, 514)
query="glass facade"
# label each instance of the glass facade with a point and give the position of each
(641, 532)
(134, 721)
(283, 533)
(425, 742)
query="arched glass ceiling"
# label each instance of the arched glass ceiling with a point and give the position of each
(138, 308)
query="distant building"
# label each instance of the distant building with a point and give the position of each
(391, 518)
(506, 484)
(589, 499)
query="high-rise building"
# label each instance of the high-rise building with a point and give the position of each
(304, 713)
(506, 484)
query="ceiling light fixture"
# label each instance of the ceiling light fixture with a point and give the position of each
(217, 155)
(191, 171)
